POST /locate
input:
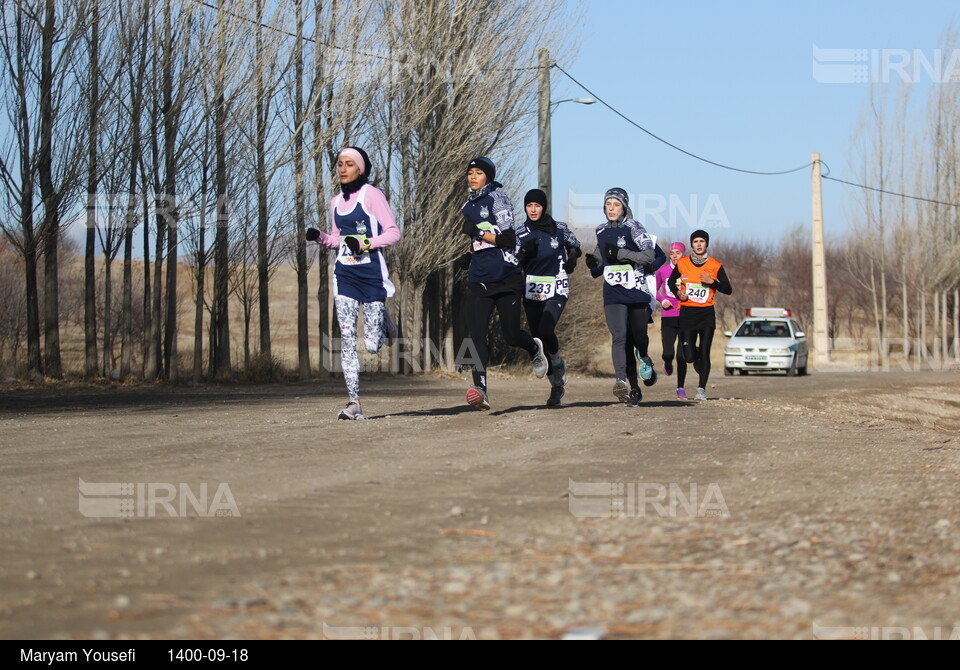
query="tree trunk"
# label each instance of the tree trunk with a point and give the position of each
(956, 324)
(936, 325)
(170, 122)
(34, 362)
(126, 334)
(146, 348)
(944, 342)
(447, 321)
(89, 265)
(303, 332)
(922, 328)
(221, 296)
(263, 263)
(154, 354)
(107, 320)
(51, 201)
(201, 271)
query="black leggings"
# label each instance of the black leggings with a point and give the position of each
(697, 323)
(505, 296)
(669, 334)
(543, 317)
(628, 327)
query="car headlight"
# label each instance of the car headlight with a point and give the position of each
(780, 350)
(733, 350)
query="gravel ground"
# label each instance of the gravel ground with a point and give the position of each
(823, 506)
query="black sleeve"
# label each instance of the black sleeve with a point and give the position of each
(722, 284)
(674, 277)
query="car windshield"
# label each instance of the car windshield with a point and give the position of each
(763, 329)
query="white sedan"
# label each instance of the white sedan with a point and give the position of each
(767, 340)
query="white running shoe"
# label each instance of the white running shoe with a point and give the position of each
(539, 360)
(701, 394)
(621, 389)
(351, 412)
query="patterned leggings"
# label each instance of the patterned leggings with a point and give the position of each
(373, 331)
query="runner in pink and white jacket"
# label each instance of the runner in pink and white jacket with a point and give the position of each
(362, 225)
(670, 317)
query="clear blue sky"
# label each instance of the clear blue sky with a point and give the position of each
(732, 81)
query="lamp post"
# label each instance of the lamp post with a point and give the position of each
(544, 167)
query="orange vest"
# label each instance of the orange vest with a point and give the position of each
(690, 276)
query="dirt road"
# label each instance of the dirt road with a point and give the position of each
(822, 506)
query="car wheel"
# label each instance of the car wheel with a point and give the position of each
(792, 370)
(802, 371)
(728, 372)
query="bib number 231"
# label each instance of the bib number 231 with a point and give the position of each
(620, 275)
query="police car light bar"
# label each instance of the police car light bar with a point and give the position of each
(769, 312)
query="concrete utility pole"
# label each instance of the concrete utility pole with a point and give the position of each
(543, 135)
(821, 340)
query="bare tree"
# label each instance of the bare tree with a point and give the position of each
(428, 118)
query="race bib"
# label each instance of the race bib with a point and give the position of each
(620, 275)
(479, 244)
(697, 293)
(346, 257)
(540, 288)
(563, 287)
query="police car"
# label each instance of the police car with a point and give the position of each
(769, 339)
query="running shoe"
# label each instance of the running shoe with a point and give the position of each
(556, 395)
(622, 390)
(477, 398)
(389, 328)
(351, 412)
(701, 394)
(540, 362)
(647, 373)
(682, 395)
(635, 397)
(667, 369)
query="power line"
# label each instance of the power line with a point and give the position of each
(289, 34)
(886, 192)
(673, 146)
(334, 46)
(758, 172)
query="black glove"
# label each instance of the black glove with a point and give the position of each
(529, 247)
(592, 261)
(354, 245)
(462, 262)
(573, 253)
(469, 228)
(313, 234)
(507, 240)
(611, 250)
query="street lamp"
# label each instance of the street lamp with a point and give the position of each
(544, 169)
(582, 101)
